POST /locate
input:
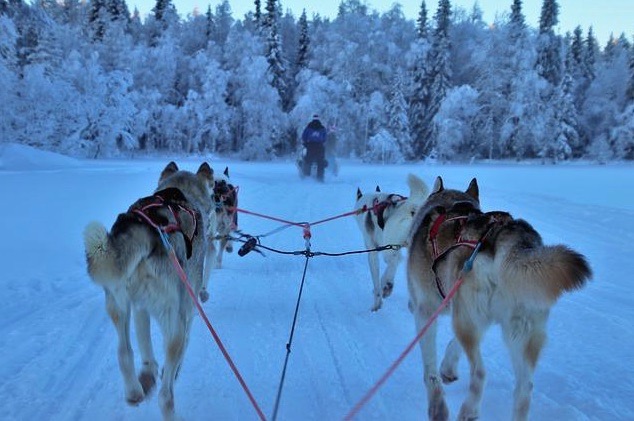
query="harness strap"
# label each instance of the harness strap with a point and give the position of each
(145, 209)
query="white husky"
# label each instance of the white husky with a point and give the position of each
(386, 221)
(135, 270)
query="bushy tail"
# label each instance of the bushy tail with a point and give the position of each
(109, 259)
(546, 272)
(417, 187)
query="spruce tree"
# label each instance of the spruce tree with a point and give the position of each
(274, 57)
(257, 15)
(398, 123)
(590, 55)
(433, 84)
(548, 58)
(421, 23)
(304, 43)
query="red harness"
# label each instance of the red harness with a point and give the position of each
(458, 242)
(172, 199)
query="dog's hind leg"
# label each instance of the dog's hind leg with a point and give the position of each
(149, 369)
(469, 335)
(174, 326)
(525, 339)
(449, 364)
(392, 259)
(210, 262)
(119, 311)
(437, 407)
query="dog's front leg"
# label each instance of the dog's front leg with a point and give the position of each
(437, 407)
(449, 365)
(373, 260)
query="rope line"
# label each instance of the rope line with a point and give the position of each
(290, 340)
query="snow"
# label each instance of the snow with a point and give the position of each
(59, 347)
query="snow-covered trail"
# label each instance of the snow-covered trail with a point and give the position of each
(59, 348)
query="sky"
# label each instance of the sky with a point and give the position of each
(606, 16)
(58, 346)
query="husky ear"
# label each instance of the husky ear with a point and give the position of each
(226, 171)
(438, 185)
(205, 171)
(378, 189)
(170, 169)
(473, 190)
(359, 194)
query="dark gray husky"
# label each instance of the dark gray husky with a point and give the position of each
(514, 282)
(132, 265)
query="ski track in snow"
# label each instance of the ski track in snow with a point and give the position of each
(59, 347)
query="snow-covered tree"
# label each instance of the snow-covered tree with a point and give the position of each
(276, 64)
(435, 82)
(303, 49)
(383, 148)
(549, 62)
(454, 122)
(398, 122)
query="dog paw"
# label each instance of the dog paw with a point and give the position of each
(229, 248)
(377, 305)
(438, 410)
(387, 289)
(134, 397)
(468, 413)
(203, 295)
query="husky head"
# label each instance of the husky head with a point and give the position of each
(441, 199)
(225, 194)
(196, 187)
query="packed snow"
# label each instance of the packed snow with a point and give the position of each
(59, 347)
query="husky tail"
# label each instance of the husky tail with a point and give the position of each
(417, 187)
(545, 272)
(113, 257)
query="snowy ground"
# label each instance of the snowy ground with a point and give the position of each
(59, 350)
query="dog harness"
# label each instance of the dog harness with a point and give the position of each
(379, 207)
(148, 210)
(494, 219)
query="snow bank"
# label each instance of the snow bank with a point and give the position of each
(16, 157)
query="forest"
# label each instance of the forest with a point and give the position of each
(93, 79)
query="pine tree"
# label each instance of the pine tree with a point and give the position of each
(566, 141)
(548, 59)
(277, 68)
(210, 26)
(431, 88)
(590, 54)
(304, 43)
(629, 94)
(257, 15)
(421, 23)
(398, 123)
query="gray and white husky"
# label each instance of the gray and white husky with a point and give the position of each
(386, 220)
(514, 281)
(133, 266)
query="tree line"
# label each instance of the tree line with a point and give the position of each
(93, 79)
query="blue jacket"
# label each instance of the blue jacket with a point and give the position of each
(315, 132)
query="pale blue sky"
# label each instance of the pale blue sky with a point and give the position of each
(605, 16)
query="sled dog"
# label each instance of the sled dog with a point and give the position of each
(226, 199)
(514, 281)
(133, 266)
(386, 221)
